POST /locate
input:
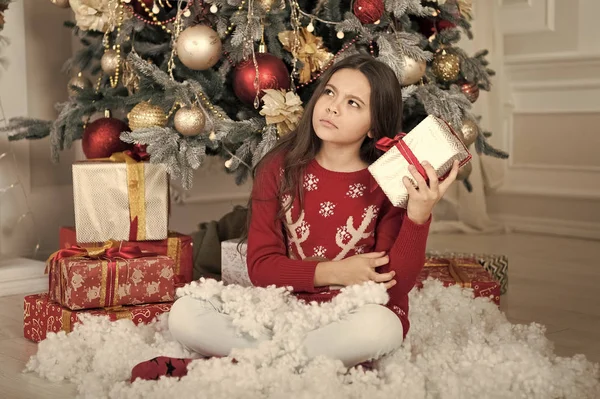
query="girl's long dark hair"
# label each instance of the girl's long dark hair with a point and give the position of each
(302, 145)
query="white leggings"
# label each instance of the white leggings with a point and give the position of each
(368, 333)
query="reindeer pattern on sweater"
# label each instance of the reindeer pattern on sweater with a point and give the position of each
(338, 219)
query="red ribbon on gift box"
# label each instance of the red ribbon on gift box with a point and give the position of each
(386, 143)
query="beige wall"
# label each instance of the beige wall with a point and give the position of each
(552, 64)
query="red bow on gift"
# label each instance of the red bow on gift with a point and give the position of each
(110, 250)
(386, 143)
(138, 153)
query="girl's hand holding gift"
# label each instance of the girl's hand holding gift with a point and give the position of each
(424, 197)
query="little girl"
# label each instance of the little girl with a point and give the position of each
(316, 225)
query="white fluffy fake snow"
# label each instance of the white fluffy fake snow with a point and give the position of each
(458, 347)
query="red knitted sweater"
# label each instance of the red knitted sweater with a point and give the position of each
(341, 217)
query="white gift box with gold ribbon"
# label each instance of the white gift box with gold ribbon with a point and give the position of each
(120, 199)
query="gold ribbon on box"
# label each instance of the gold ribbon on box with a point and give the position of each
(454, 269)
(119, 311)
(174, 252)
(136, 190)
(109, 253)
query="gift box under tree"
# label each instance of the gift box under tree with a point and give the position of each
(41, 316)
(112, 275)
(467, 273)
(495, 264)
(120, 199)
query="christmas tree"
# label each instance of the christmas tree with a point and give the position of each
(184, 80)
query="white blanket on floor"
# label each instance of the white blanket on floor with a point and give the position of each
(458, 347)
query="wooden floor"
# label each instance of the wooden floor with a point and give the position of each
(553, 281)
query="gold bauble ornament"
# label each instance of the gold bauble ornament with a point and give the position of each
(61, 3)
(199, 47)
(80, 82)
(464, 172)
(469, 131)
(413, 71)
(146, 115)
(189, 121)
(109, 62)
(446, 66)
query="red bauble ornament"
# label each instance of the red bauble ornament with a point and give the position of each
(471, 90)
(272, 73)
(429, 26)
(101, 138)
(368, 11)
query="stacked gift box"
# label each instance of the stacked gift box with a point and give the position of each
(485, 274)
(119, 260)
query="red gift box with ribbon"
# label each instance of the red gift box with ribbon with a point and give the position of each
(107, 276)
(178, 247)
(432, 140)
(41, 315)
(465, 272)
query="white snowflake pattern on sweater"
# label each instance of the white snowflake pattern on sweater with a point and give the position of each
(310, 182)
(327, 208)
(320, 251)
(356, 190)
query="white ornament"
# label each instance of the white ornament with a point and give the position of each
(340, 35)
(214, 9)
(228, 163)
(310, 27)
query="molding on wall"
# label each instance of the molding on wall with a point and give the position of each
(551, 60)
(528, 16)
(552, 192)
(557, 227)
